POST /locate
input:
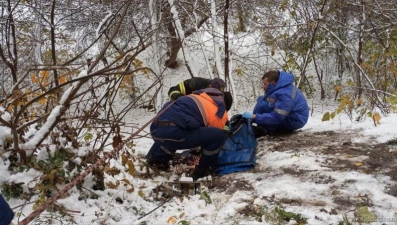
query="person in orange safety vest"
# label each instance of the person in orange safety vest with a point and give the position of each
(193, 120)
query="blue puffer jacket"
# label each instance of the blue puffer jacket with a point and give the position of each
(282, 106)
(6, 214)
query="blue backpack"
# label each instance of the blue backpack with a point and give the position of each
(238, 151)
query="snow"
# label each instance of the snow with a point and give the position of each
(384, 132)
(100, 26)
(270, 183)
(189, 179)
(5, 115)
(313, 195)
(181, 34)
(4, 131)
(56, 112)
(38, 136)
(66, 94)
(215, 38)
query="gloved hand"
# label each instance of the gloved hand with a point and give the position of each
(175, 96)
(226, 129)
(247, 115)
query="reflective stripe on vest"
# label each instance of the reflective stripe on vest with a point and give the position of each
(293, 95)
(174, 92)
(208, 109)
(283, 112)
(167, 151)
(271, 100)
(201, 108)
(182, 88)
(206, 152)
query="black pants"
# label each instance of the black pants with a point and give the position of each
(261, 131)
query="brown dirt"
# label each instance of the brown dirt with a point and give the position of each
(381, 158)
(343, 153)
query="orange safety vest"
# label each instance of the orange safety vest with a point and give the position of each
(208, 109)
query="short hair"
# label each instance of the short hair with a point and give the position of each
(272, 76)
(227, 96)
(218, 83)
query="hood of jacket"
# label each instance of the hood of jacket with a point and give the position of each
(284, 80)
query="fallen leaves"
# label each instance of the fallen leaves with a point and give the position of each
(376, 118)
(172, 220)
(358, 163)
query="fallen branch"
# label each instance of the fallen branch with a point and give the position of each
(69, 186)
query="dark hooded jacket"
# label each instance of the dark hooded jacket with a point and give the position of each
(185, 113)
(187, 87)
(282, 106)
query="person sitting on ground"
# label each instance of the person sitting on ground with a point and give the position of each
(188, 86)
(282, 109)
(194, 120)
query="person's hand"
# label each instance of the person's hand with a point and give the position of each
(248, 115)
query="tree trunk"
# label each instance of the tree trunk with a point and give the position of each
(240, 15)
(360, 50)
(226, 39)
(175, 43)
(175, 46)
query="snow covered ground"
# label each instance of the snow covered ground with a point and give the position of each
(332, 172)
(296, 173)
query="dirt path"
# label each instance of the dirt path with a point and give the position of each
(343, 153)
(334, 153)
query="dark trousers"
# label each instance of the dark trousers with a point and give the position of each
(271, 130)
(174, 138)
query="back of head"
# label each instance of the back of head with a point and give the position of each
(228, 98)
(272, 76)
(218, 83)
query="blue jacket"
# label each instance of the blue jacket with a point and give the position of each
(282, 106)
(185, 112)
(6, 214)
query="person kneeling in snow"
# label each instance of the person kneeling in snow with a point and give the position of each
(191, 85)
(282, 109)
(193, 120)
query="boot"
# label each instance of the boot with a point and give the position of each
(200, 173)
(195, 151)
(260, 131)
(155, 163)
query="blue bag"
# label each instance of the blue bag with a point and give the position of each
(238, 151)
